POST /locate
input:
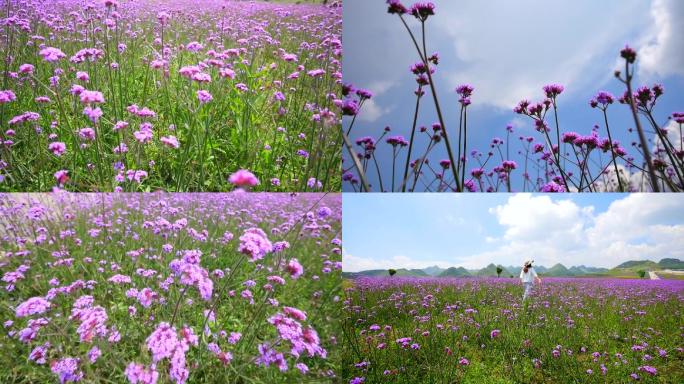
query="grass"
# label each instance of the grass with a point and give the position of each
(291, 143)
(92, 237)
(448, 320)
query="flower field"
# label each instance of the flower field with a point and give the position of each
(572, 330)
(149, 95)
(157, 288)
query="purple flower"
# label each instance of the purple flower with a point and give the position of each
(553, 90)
(93, 114)
(648, 369)
(139, 374)
(349, 107)
(67, 370)
(170, 141)
(255, 244)
(552, 187)
(395, 6)
(51, 54)
(422, 10)
(62, 176)
(7, 96)
(194, 46)
(628, 54)
(32, 306)
(39, 353)
(87, 134)
(364, 93)
(294, 269)
(91, 97)
(397, 140)
(465, 90)
(243, 178)
(494, 333)
(162, 342)
(204, 96)
(94, 354)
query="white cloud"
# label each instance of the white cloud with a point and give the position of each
(356, 264)
(635, 227)
(381, 86)
(633, 217)
(662, 54)
(371, 111)
(528, 218)
(510, 49)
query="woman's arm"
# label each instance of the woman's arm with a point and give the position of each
(538, 279)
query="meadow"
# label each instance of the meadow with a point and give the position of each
(168, 95)
(169, 288)
(470, 330)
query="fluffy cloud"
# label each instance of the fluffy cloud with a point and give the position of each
(662, 53)
(634, 227)
(355, 264)
(525, 216)
(371, 111)
(510, 49)
(639, 226)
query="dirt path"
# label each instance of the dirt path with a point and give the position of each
(653, 276)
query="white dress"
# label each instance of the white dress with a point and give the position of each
(527, 280)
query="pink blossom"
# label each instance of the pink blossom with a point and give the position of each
(243, 178)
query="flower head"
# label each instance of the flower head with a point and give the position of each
(51, 54)
(243, 178)
(422, 10)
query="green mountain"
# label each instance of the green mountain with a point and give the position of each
(411, 272)
(635, 265)
(455, 272)
(490, 270)
(385, 272)
(433, 271)
(558, 270)
(671, 264)
(370, 273)
(583, 270)
(515, 269)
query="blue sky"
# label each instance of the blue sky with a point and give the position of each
(383, 231)
(508, 50)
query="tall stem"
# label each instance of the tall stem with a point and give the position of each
(640, 131)
(612, 151)
(357, 163)
(423, 57)
(413, 132)
(465, 146)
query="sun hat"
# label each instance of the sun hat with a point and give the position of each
(528, 262)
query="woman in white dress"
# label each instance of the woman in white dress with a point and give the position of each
(528, 276)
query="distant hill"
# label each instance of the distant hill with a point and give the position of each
(671, 264)
(433, 271)
(558, 270)
(636, 265)
(455, 272)
(385, 272)
(411, 272)
(490, 270)
(625, 269)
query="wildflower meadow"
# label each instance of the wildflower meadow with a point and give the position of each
(169, 95)
(470, 330)
(169, 288)
(438, 156)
